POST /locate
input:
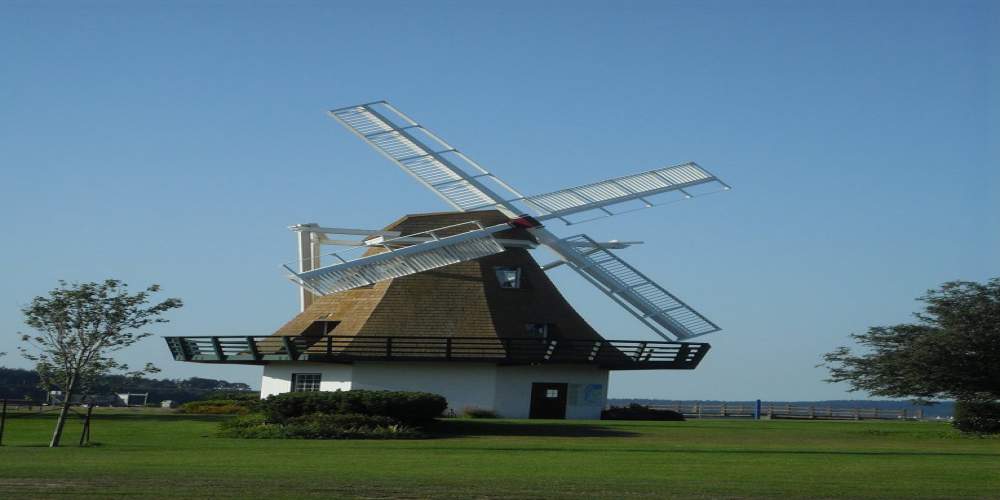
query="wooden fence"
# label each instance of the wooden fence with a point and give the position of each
(787, 410)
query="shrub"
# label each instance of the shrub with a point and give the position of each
(318, 426)
(405, 407)
(640, 412)
(251, 396)
(345, 426)
(980, 417)
(217, 407)
(254, 426)
(475, 412)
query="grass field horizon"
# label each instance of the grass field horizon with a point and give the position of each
(170, 454)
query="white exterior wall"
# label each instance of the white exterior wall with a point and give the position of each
(503, 389)
(277, 376)
(462, 384)
(587, 388)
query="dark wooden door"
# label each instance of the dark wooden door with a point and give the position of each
(548, 400)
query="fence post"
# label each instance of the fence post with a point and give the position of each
(85, 435)
(920, 413)
(812, 412)
(698, 409)
(723, 409)
(3, 419)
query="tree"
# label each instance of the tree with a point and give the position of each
(951, 351)
(79, 327)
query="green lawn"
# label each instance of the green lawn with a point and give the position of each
(162, 454)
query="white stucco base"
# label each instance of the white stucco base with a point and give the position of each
(503, 389)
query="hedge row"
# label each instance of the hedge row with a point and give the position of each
(319, 426)
(639, 412)
(404, 407)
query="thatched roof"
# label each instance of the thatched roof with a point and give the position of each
(460, 300)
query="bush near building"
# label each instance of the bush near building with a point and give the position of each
(339, 415)
(224, 403)
(407, 407)
(476, 412)
(640, 412)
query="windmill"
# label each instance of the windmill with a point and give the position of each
(453, 303)
(467, 187)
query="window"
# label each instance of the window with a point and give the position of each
(538, 330)
(305, 382)
(509, 277)
(318, 328)
(551, 393)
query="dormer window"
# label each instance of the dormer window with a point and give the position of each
(540, 330)
(320, 328)
(509, 277)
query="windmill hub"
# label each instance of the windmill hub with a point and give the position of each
(454, 303)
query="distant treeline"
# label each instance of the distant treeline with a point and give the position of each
(942, 409)
(17, 383)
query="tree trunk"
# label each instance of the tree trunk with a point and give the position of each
(57, 434)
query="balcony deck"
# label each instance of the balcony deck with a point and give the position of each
(608, 354)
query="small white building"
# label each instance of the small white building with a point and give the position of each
(492, 333)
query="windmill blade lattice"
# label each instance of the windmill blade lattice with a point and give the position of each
(659, 309)
(473, 242)
(606, 194)
(453, 176)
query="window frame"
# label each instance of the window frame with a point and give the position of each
(518, 277)
(296, 378)
(540, 330)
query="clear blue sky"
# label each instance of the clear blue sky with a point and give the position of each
(173, 143)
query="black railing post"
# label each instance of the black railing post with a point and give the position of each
(682, 354)
(388, 347)
(289, 348)
(447, 348)
(642, 349)
(217, 347)
(3, 419)
(329, 346)
(252, 345)
(182, 345)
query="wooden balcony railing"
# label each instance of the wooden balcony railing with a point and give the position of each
(610, 354)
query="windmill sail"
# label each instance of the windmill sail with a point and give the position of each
(398, 262)
(453, 176)
(615, 192)
(650, 303)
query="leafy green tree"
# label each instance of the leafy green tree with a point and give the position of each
(79, 327)
(951, 351)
